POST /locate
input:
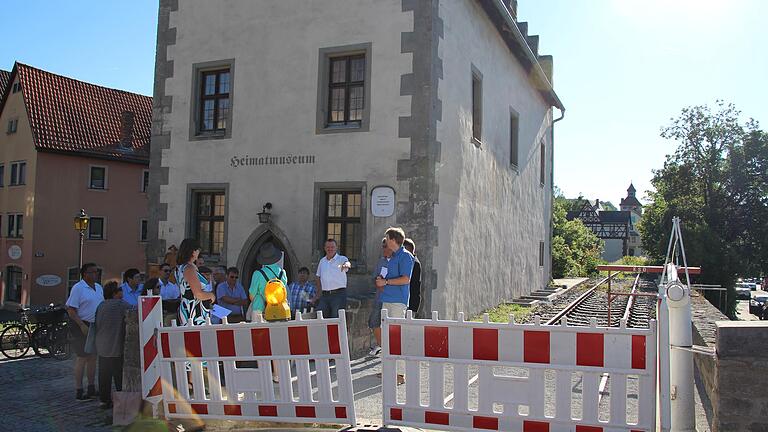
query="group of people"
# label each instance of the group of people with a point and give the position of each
(98, 313)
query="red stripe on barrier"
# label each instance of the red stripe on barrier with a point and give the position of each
(589, 349)
(436, 341)
(298, 340)
(638, 352)
(199, 408)
(166, 345)
(485, 344)
(535, 426)
(156, 389)
(268, 410)
(147, 304)
(172, 408)
(233, 410)
(580, 428)
(305, 411)
(488, 423)
(333, 339)
(150, 352)
(192, 344)
(225, 340)
(396, 413)
(433, 417)
(394, 340)
(341, 412)
(536, 346)
(262, 346)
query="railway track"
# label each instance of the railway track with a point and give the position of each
(637, 308)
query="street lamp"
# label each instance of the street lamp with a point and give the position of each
(265, 215)
(81, 225)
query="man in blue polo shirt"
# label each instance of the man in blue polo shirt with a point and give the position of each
(396, 283)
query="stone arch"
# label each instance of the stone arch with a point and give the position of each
(246, 261)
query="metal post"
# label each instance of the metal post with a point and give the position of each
(678, 299)
(80, 251)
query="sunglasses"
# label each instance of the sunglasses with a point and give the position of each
(233, 277)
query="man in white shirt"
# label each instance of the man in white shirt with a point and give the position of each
(331, 295)
(83, 300)
(168, 289)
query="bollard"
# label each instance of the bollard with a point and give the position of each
(678, 300)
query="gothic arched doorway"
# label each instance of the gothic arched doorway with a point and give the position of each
(247, 262)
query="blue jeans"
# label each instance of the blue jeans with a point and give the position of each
(331, 301)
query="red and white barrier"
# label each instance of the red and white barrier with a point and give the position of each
(224, 371)
(489, 376)
(150, 319)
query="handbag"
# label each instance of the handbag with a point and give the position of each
(90, 340)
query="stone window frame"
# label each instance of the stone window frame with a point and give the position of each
(318, 220)
(514, 139)
(194, 106)
(190, 224)
(323, 72)
(90, 177)
(476, 102)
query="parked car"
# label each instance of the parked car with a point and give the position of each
(743, 291)
(757, 304)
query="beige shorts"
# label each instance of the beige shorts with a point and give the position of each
(395, 310)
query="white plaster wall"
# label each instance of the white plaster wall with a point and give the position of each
(612, 250)
(490, 217)
(275, 45)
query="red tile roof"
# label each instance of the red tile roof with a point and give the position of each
(67, 115)
(5, 78)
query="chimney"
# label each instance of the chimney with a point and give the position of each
(126, 129)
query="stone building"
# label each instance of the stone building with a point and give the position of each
(635, 209)
(349, 116)
(67, 145)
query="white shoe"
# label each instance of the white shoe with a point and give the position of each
(375, 352)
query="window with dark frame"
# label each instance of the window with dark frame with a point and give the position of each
(346, 90)
(213, 113)
(98, 178)
(16, 87)
(15, 226)
(477, 107)
(209, 209)
(13, 126)
(343, 222)
(541, 254)
(96, 228)
(13, 278)
(514, 131)
(2, 175)
(144, 181)
(543, 166)
(18, 173)
(143, 225)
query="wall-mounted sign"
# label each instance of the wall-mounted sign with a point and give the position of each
(14, 252)
(383, 201)
(48, 280)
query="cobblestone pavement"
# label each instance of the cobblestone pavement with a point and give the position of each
(38, 395)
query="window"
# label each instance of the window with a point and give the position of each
(13, 278)
(15, 226)
(514, 131)
(2, 175)
(98, 179)
(543, 166)
(18, 173)
(144, 181)
(214, 101)
(143, 225)
(96, 229)
(343, 222)
(16, 87)
(13, 125)
(344, 89)
(209, 221)
(477, 106)
(541, 254)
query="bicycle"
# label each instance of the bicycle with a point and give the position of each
(44, 330)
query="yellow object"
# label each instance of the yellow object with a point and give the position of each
(277, 308)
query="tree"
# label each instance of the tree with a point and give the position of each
(575, 248)
(717, 183)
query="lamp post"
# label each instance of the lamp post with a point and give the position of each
(81, 224)
(265, 215)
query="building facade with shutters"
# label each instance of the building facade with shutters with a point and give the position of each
(67, 145)
(350, 116)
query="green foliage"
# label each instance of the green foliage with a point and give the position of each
(717, 183)
(575, 248)
(500, 314)
(632, 261)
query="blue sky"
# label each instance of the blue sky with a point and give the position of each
(623, 68)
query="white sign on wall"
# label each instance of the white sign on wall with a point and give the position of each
(383, 201)
(14, 252)
(48, 280)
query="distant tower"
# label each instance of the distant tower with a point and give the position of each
(630, 203)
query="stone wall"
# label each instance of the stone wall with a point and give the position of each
(705, 316)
